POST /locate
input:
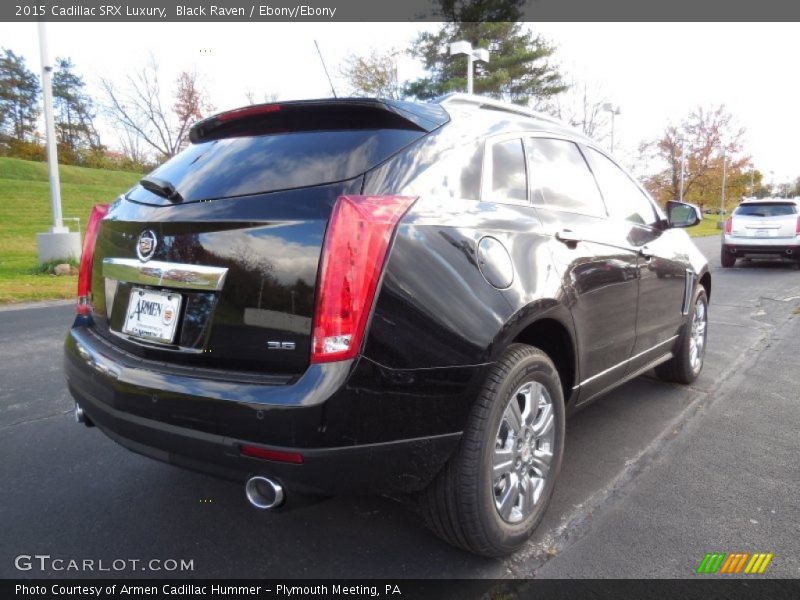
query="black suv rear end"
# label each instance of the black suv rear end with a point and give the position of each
(340, 296)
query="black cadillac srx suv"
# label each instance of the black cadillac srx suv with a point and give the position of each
(358, 295)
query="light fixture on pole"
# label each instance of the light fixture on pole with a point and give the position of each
(59, 242)
(614, 110)
(465, 47)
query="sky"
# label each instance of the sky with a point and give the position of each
(655, 72)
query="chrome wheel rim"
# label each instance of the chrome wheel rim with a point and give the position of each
(697, 339)
(523, 452)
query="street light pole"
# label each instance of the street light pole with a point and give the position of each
(50, 131)
(683, 166)
(465, 47)
(59, 243)
(614, 110)
(722, 196)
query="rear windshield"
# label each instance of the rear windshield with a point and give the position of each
(239, 166)
(765, 209)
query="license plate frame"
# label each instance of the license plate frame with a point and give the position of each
(156, 319)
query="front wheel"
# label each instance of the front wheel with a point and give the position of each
(690, 351)
(494, 490)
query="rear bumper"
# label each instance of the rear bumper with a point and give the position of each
(355, 425)
(742, 246)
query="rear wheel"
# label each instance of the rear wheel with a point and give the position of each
(493, 492)
(686, 364)
(726, 258)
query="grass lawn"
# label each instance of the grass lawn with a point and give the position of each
(708, 226)
(25, 211)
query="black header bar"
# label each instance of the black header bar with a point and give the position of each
(401, 10)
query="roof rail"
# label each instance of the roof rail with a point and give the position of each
(483, 102)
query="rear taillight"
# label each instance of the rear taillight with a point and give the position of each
(85, 274)
(797, 227)
(729, 225)
(353, 254)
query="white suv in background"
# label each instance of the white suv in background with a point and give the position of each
(766, 227)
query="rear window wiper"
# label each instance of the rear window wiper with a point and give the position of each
(161, 187)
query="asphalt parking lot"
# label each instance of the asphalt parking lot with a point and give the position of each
(654, 475)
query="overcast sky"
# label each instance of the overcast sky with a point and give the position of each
(656, 72)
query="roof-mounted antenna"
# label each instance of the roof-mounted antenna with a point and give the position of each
(322, 60)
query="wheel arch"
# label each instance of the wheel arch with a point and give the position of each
(705, 281)
(549, 327)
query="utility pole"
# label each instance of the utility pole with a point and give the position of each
(58, 243)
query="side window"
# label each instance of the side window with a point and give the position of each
(508, 172)
(560, 178)
(623, 197)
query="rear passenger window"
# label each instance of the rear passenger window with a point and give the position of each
(623, 197)
(560, 178)
(508, 172)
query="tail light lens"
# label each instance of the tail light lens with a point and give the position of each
(729, 225)
(356, 242)
(797, 227)
(85, 274)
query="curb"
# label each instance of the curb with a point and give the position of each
(32, 305)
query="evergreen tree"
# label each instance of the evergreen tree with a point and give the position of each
(19, 96)
(518, 70)
(74, 109)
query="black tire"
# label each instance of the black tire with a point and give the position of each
(459, 505)
(726, 258)
(679, 368)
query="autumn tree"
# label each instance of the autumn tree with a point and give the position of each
(708, 137)
(519, 69)
(374, 74)
(19, 96)
(74, 110)
(142, 108)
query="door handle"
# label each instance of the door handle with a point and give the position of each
(568, 237)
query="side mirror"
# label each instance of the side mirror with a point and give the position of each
(681, 214)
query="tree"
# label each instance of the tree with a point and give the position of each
(518, 70)
(268, 97)
(74, 109)
(140, 108)
(581, 105)
(19, 96)
(708, 137)
(373, 75)
(190, 104)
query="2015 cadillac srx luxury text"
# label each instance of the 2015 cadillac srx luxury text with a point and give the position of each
(355, 295)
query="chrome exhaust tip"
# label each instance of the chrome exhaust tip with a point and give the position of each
(81, 416)
(263, 493)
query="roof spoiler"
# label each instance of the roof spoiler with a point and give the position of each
(308, 115)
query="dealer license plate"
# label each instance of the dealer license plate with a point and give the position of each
(152, 315)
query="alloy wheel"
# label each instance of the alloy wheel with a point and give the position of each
(523, 452)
